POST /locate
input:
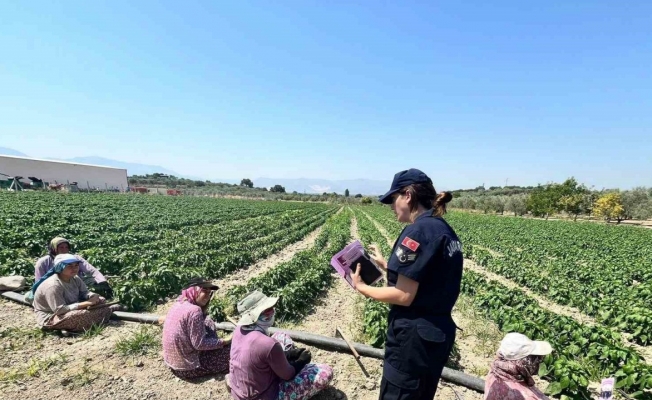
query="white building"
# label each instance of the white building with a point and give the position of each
(61, 172)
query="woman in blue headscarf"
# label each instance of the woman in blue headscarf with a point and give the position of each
(62, 300)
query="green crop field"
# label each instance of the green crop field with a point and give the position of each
(151, 245)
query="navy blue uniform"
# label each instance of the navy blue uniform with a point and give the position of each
(420, 337)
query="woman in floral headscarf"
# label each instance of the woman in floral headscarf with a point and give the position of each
(191, 347)
(517, 361)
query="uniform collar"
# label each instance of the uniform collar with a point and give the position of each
(424, 214)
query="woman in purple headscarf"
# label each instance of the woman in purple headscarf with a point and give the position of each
(191, 347)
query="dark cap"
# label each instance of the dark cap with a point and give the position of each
(201, 282)
(403, 179)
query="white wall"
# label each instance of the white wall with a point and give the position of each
(62, 172)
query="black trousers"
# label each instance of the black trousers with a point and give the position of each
(416, 351)
(426, 389)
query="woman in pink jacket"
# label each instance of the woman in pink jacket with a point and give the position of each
(191, 347)
(270, 368)
(517, 361)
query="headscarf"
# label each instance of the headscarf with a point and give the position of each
(520, 371)
(54, 243)
(60, 263)
(190, 295)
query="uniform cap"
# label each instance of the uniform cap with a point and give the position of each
(403, 179)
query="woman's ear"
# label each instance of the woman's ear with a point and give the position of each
(408, 196)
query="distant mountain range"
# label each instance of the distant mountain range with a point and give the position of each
(132, 168)
(318, 186)
(301, 185)
(12, 152)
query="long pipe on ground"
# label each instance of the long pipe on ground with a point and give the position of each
(450, 375)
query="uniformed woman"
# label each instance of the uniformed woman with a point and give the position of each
(424, 274)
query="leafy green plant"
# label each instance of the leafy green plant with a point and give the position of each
(143, 342)
(297, 282)
(93, 331)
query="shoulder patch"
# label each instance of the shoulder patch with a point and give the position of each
(454, 247)
(403, 256)
(410, 243)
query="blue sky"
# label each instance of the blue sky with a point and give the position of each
(471, 93)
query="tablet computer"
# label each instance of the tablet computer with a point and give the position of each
(345, 262)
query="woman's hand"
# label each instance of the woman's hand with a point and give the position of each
(358, 283)
(377, 257)
(84, 304)
(101, 300)
(227, 340)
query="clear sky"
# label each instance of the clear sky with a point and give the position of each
(471, 92)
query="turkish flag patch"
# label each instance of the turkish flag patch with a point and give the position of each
(410, 243)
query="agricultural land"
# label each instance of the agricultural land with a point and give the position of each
(584, 287)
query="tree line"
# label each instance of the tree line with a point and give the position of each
(246, 188)
(570, 198)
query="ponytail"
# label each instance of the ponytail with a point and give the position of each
(439, 204)
(426, 195)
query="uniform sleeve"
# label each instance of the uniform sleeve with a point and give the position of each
(197, 333)
(86, 268)
(413, 254)
(279, 363)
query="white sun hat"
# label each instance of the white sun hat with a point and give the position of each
(516, 346)
(65, 258)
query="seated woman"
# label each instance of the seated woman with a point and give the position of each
(191, 347)
(517, 360)
(91, 276)
(61, 299)
(264, 367)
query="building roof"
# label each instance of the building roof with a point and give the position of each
(61, 162)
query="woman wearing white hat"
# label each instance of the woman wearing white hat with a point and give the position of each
(517, 360)
(267, 368)
(62, 300)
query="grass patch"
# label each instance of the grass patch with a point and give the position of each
(143, 342)
(454, 359)
(84, 377)
(16, 338)
(485, 332)
(33, 369)
(93, 331)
